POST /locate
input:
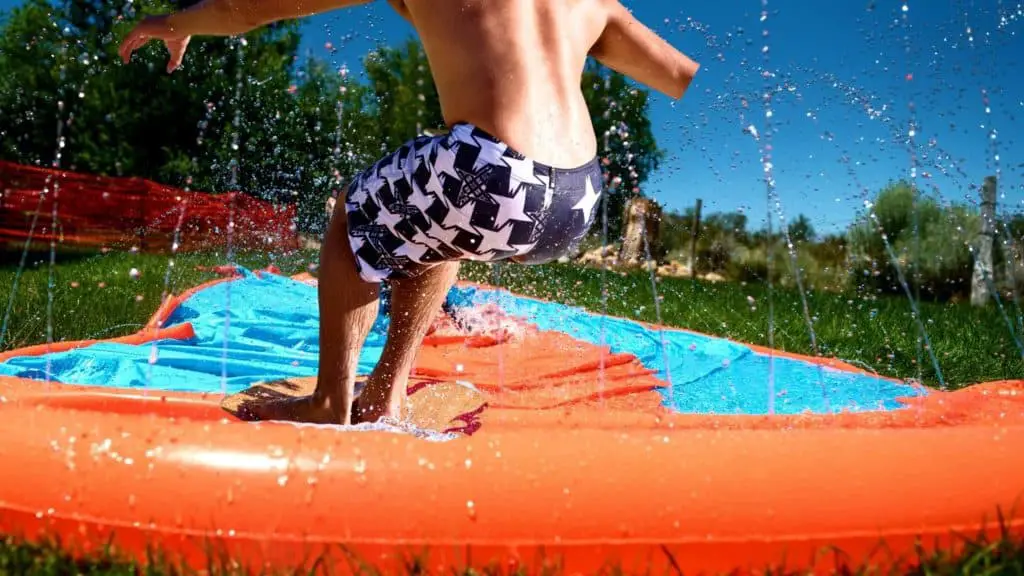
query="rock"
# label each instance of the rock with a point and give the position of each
(643, 216)
(674, 269)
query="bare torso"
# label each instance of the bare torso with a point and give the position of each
(513, 68)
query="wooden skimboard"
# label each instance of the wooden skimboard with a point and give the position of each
(431, 405)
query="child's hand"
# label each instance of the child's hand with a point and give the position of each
(155, 27)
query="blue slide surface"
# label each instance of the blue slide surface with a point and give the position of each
(267, 327)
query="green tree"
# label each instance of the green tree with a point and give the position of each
(721, 234)
(630, 153)
(226, 119)
(340, 137)
(405, 94)
(31, 61)
(930, 242)
(801, 230)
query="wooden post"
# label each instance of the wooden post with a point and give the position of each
(982, 278)
(694, 232)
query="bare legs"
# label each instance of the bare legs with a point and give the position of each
(414, 304)
(348, 309)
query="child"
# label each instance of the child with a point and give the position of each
(517, 177)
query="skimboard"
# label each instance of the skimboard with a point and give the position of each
(431, 404)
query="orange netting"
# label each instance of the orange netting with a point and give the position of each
(99, 211)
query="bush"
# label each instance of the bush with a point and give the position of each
(750, 265)
(935, 258)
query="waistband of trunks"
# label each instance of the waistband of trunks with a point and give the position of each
(471, 134)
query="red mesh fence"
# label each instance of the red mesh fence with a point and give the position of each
(123, 213)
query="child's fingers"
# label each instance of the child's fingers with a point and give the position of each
(177, 49)
(125, 50)
(133, 42)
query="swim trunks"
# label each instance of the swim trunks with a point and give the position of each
(465, 195)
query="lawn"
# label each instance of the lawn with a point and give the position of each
(98, 296)
(94, 296)
(1003, 557)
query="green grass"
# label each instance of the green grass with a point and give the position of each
(93, 296)
(1002, 556)
(876, 332)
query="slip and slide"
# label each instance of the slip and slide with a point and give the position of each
(535, 433)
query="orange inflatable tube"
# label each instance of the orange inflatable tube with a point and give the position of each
(541, 467)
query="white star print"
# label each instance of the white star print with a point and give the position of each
(433, 182)
(458, 218)
(548, 194)
(586, 204)
(445, 163)
(490, 241)
(489, 152)
(442, 235)
(392, 173)
(510, 208)
(422, 198)
(357, 196)
(522, 170)
(412, 250)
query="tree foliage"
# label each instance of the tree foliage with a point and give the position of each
(930, 242)
(244, 114)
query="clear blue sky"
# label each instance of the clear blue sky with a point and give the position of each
(830, 61)
(841, 67)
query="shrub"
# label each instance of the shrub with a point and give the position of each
(931, 243)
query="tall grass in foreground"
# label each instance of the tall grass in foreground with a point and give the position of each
(94, 296)
(978, 555)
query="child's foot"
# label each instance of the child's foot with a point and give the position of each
(309, 409)
(378, 400)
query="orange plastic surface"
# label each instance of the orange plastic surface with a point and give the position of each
(551, 466)
(101, 211)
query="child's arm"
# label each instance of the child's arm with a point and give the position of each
(232, 17)
(629, 47)
(219, 18)
(403, 11)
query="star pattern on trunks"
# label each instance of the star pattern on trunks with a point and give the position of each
(474, 186)
(510, 208)
(463, 195)
(586, 204)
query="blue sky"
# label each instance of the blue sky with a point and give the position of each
(829, 62)
(841, 105)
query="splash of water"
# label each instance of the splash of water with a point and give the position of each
(909, 139)
(385, 424)
(657, 305)
(775, 201)
(609, 187)
(154, 353)
(44, 194)
(993, 164)
(865, 101)
(500, 332)
(766, 163)
(239, 44)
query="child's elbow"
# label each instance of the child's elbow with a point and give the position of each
(683, 77)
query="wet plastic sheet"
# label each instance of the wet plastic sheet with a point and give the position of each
(264, 327)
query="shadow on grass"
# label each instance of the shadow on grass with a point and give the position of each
(13, 257)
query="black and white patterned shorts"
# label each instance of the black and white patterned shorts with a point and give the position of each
(465, 195)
